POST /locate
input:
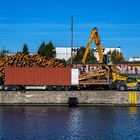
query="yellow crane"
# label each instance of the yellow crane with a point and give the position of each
(94, 36)
(98, 76)
(115, 80)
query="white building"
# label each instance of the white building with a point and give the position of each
(134, 59)
(65, 53)
(106, 50)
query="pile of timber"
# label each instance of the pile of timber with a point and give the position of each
(23, 60)
(96, 74)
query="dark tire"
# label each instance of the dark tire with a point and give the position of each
(122, 88)
(14, 88)
(111, 86)
(138, 88)
(67, 88)
(18, 88)
(21, 87)
(50, 88)
(58, 88)
(6, 88)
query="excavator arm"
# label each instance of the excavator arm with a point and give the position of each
(94, 35)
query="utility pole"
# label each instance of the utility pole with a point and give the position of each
(71, 36)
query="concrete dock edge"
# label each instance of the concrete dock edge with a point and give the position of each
(95, 98)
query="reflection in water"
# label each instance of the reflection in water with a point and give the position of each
(74, 123)
(133, 126)
(132, 110)
(1, 124)
(63, 123)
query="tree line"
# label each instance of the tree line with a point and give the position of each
(48, 50)
(116, 56)
(45, 49)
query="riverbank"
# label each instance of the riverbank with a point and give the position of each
(96, 98)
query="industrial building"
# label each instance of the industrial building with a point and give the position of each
(134, 59)
(65, 52)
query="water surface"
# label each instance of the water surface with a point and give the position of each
(64, 123)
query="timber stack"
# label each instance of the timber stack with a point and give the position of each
(23, 60)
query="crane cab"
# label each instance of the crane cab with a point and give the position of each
(107, 59)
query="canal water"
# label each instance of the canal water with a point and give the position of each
(64, 123)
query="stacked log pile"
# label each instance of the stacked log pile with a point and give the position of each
(92, 75)
(22, 60)
(97, 76)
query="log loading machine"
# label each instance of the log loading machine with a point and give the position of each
(105, 75)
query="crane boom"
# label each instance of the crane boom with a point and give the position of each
(94, 35)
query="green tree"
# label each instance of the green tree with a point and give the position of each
(47, 50)
(50, 50)
(25, 49)
(42, 49)
(2, 55)
(116, 56)
(79, 55)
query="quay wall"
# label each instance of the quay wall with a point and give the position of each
(106, 97)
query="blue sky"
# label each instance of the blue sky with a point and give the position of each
(35, 21)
